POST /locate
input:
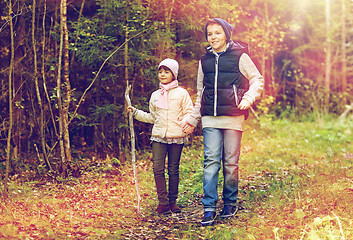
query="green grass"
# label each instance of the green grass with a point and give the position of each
(296, 182)
(296, 174)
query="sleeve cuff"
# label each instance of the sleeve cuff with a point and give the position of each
(134, 113)
(250, 99)
(192, 121)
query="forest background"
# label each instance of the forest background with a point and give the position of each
(65, 67)
(64, 135)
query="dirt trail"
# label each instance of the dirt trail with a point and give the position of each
(165, 226)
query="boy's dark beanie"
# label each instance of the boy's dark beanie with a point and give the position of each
(227, 28)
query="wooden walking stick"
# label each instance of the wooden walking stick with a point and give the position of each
(133, 156)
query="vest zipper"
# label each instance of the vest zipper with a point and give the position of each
(215, 87)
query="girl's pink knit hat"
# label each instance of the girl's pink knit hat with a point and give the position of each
(172, 64)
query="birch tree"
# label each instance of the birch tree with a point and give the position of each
(9, 135)
(67, 85)
(64, 92)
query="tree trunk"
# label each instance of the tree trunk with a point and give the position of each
(67, 85)
(19, 131)
(43, 70)
(264, 51)
(64, 99)
(126, 66)
(39, 99)
(328, 57)
(343, 87)
(8, 148)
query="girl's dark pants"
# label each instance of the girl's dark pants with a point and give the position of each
(160, 151)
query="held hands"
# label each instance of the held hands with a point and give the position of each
(244, 104)
(187, 128)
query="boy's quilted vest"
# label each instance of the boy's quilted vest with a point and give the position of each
(223, 82)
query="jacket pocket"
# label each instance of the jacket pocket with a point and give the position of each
(236, 97)
(238, 94)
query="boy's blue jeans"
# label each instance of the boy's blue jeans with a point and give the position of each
(220, 145)
(160, 151)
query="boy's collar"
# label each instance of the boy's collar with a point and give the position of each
(211, 50)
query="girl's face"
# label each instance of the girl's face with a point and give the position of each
(216, 37)
(165, 76)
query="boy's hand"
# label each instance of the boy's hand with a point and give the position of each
(187, 128)
(244, 104)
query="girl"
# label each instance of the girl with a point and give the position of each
(168, 106)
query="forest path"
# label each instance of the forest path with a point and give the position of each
(165, 226)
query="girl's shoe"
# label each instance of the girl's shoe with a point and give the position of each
(174, 208)
(163, 209)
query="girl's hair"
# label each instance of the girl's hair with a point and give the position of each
(166, 69)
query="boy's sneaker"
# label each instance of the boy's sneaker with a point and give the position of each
(208, 218)
(228, 211)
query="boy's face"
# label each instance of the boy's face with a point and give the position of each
(165, 76)
(216, 37)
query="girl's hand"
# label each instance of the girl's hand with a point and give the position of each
(187, 128)
(130, 109)
(244, 104)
